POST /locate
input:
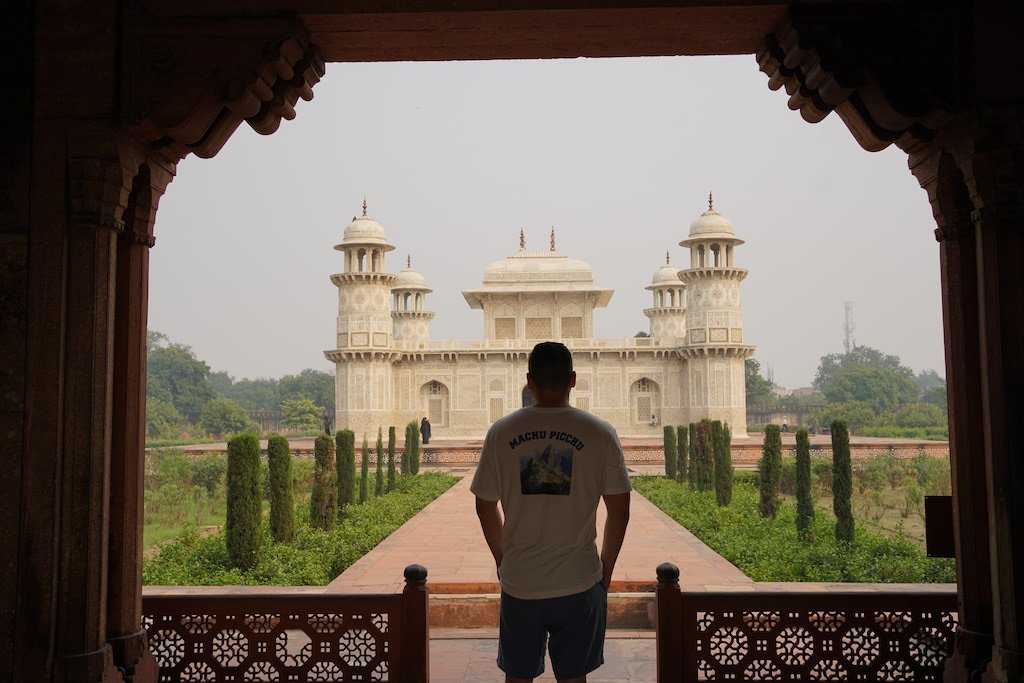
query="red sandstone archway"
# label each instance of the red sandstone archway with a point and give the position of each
(109, 97)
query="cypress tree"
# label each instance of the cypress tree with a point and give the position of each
(842, 481)
(804, 501)
(391, 458)
(323, 501)
(682, 446)
(378, 489)
(721, 437)
(282, 503)
(346, 466)
(770, 469)
(702, 469)
(692, 454)
(671, 456)
(244, 511)
(364, 472)
(414, 449)
(406, 449)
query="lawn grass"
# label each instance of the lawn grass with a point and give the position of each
(770, 550)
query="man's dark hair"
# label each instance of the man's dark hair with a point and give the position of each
(550, 365)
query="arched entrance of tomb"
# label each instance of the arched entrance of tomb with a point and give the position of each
(644, 401)
(436, 403)
(190, 89)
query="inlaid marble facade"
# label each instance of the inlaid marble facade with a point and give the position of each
(389, 371)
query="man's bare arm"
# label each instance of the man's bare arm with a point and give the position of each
(615, 525)
(490, 524)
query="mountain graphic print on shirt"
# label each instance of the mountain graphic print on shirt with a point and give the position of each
(546, 472)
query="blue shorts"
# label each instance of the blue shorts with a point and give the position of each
(574, 623)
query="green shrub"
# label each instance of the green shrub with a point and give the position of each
(804, 497)
(406, 449)
(721, 438)
(745, 478)
(391, 458)
(314, 558)
(323, 501)
(778, 553)
(842, 484)
(378, 489)
(691, 453)
(682, 447)
(244, 501)
(702, 464)
(345, 463)
(669, 449)
(364, 472)
(412, 448)
(282, 504)
(770, 469)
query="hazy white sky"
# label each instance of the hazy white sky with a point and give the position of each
(618, 155)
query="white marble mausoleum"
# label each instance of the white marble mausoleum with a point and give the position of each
(389, 371)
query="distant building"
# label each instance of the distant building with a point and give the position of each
(389, 371)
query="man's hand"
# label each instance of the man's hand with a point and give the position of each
(490, 524)
(617, 506)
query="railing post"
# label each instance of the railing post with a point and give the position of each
(669, 634)
(416, 630)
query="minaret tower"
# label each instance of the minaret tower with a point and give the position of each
(668, 320)
(365, 351)
(714, 348)
(409, 308)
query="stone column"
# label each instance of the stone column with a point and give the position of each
(951, 205)
(128, 432)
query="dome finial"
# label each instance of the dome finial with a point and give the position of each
(408, 260)
(666, 258)
(364, 206)
(552, 238)
(711, 202)
(522, 239)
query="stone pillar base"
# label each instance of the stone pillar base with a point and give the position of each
(90, 667)
(133, 658)
(971, 652)
(1006, 666)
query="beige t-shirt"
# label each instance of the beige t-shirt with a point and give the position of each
(549, 468)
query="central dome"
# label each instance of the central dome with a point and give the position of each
(538, 267)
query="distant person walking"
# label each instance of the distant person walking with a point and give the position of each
(425, 430)
(550, 465)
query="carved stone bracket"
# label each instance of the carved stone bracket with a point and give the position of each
(191, 84)
(886, 76)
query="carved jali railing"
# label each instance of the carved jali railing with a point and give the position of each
(253, 634)
(837, 633)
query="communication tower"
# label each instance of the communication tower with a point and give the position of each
(848, 327)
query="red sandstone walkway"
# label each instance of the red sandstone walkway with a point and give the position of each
(445, 538)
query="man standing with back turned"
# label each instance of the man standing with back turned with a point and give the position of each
(549, 465)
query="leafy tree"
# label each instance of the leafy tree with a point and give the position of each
(315, 385)
(929, 379)
(301, 413)
(935, 396)
(671, 456)
(346, 466)
(682, 446)
(155, 340)
(759, 390)
(222, 383)
(860, 355)
(882, 389)
(323, 501)
(282, 503)
(391, 458)
(173, 373)
(162, 419)
(255, 394)
(804, 499)
(702, 470)
(721, 443)
(641, 335)
(770, 471)
(379, 484)
(364, 473)
(242, 527)
(856, 414)
(842, 481)
(921, 415)
(208, 471)
(224, 416)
